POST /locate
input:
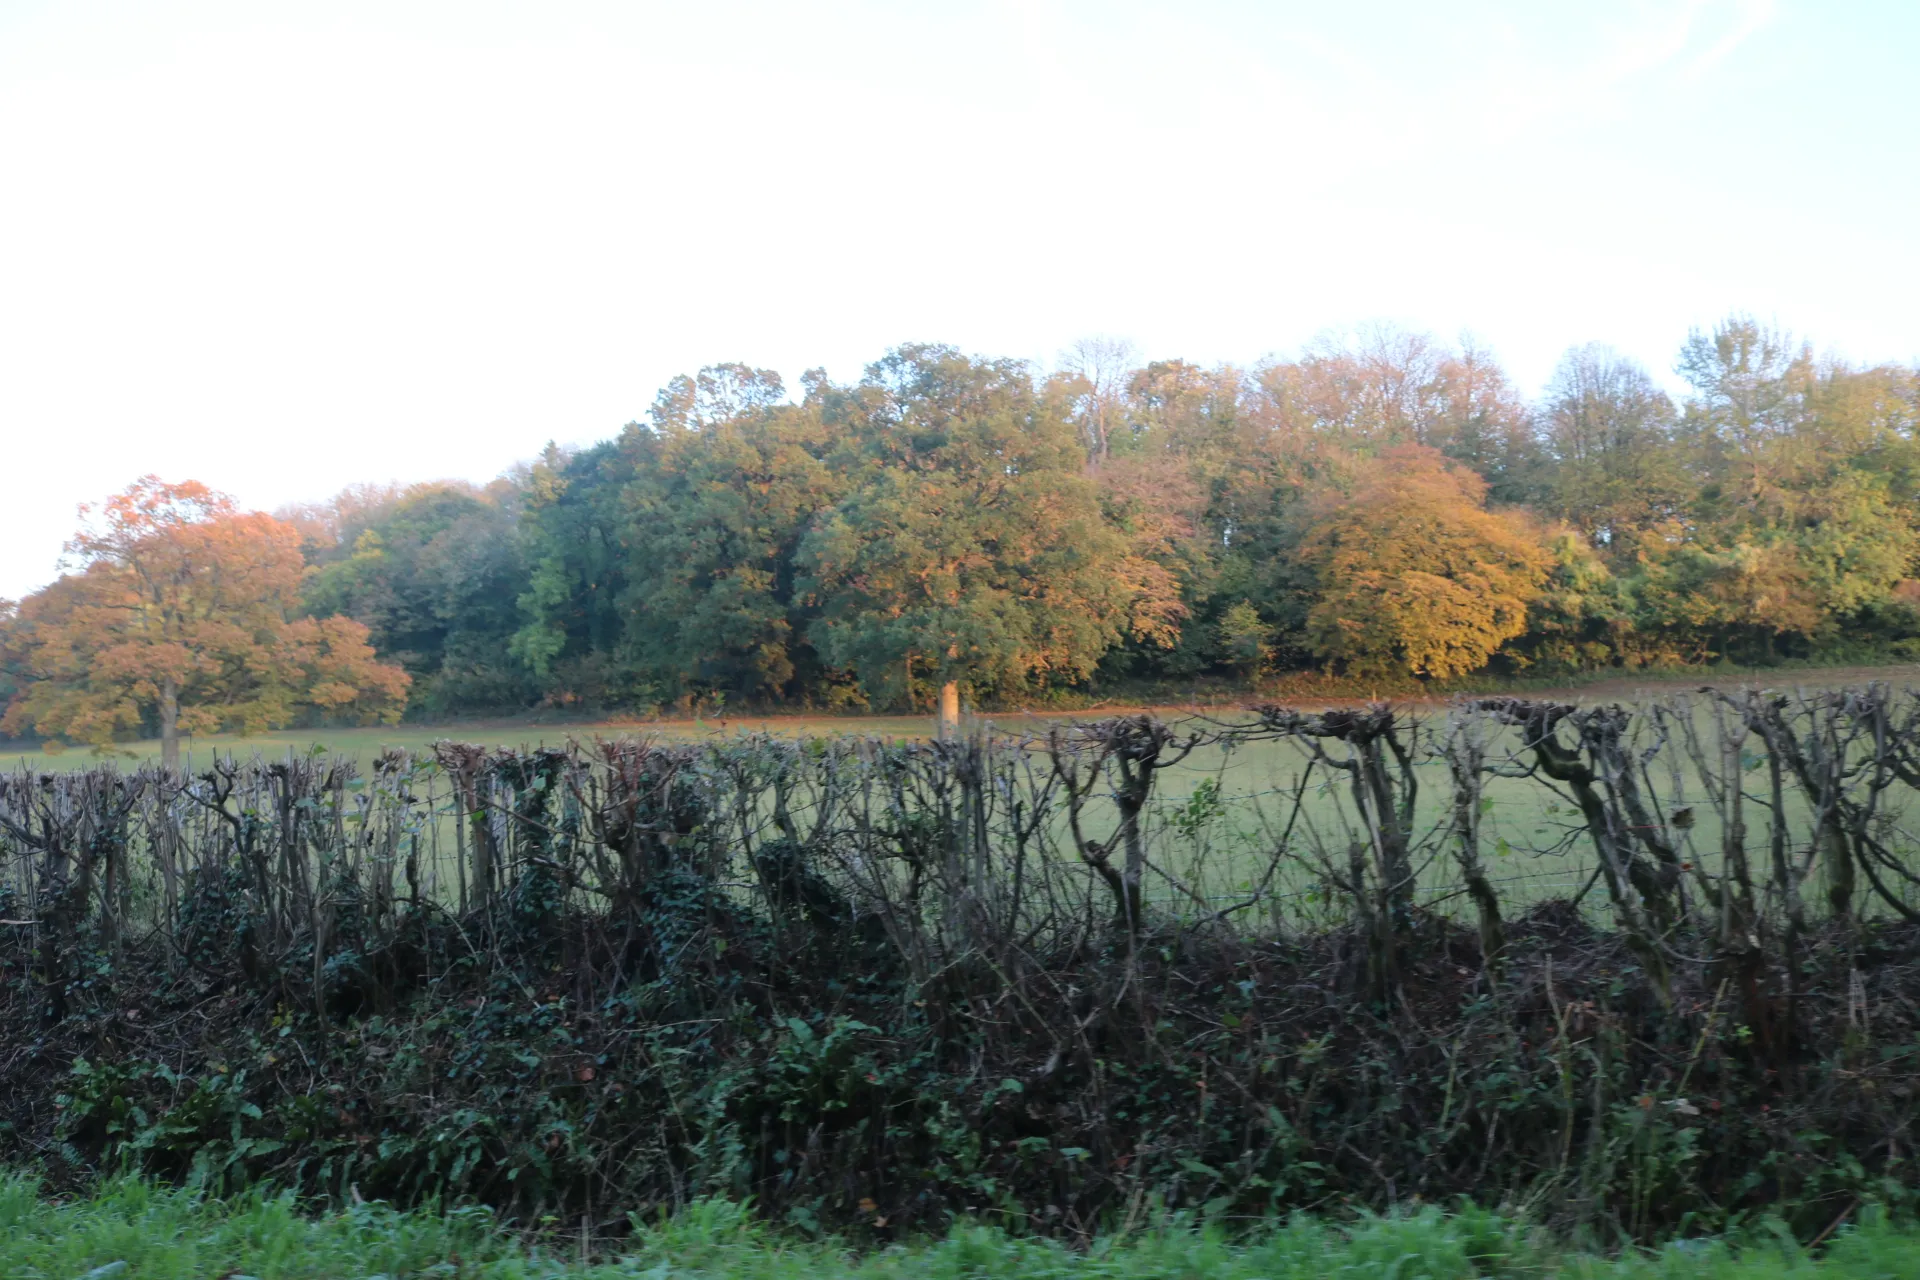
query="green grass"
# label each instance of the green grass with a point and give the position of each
(134, 1231)
(1254, 784)
(1534, 846)
(363, 744)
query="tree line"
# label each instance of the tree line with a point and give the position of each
(1385, 505)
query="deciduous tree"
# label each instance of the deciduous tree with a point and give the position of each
(970, 545)
(1609, 431)
(1414, 573)
(434, 572)
(573, 639)
(732, 479)
(182, 613)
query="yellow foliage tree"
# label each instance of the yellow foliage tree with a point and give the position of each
(1414, 573)
(182, 610)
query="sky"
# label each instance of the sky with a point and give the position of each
(286, 247)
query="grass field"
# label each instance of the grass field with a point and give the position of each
(131, 1231)
(1535, 845)
(1253, 783)
(363, 744)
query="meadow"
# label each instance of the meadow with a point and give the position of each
(364, 743)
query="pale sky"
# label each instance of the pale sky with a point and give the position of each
(284, 247)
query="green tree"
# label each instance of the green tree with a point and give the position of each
(12, 655)
(1245, 639)
(970, 550)
(1802, 526)
(434, 572)
(1751, 385)
(573, 638)
(1609, 430)
(734, 475)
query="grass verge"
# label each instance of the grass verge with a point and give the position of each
(131, 1230)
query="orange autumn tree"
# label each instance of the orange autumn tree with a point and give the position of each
(1414, 573)
(181, 614)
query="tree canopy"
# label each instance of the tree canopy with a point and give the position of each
(182, 614)
(970, 548)
(1414, 573)
(1385, 503)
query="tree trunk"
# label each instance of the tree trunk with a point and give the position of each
(1466, 759)
(170, 726)
(950, 709)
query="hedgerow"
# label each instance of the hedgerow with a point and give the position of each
(878, 988)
